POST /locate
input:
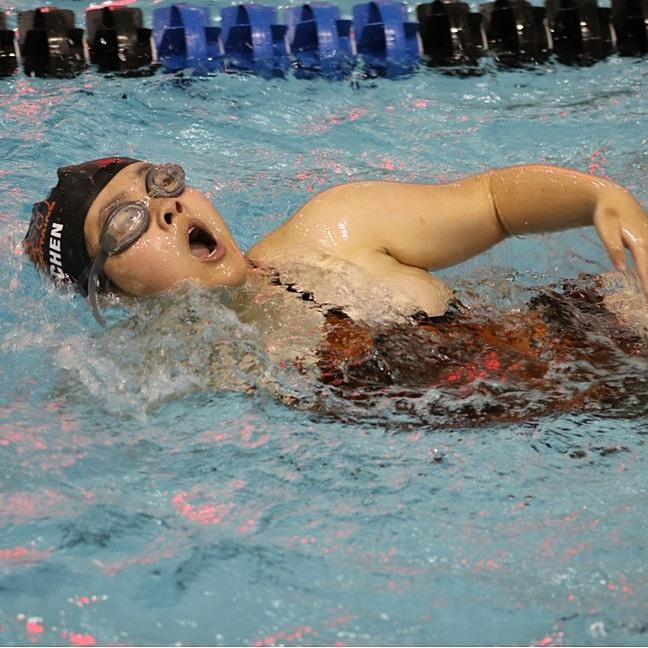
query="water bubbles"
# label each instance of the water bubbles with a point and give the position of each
(597, 630)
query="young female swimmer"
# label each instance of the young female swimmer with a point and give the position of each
(139, 227)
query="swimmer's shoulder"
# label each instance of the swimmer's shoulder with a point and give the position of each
(314, 227)
(343, 225)
(342, 221)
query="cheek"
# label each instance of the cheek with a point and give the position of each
(152, 265)
(157, 263)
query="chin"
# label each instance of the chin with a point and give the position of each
(237, 276)
(232, 276)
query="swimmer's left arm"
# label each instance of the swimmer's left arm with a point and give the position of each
(435, 226)
(399, 231)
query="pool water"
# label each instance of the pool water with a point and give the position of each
(155, 487)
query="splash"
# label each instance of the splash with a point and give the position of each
(579, 346)
(167, 348)
(333, 283)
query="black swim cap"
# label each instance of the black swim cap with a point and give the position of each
(55, 240)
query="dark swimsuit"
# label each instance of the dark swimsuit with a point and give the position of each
(566, 351)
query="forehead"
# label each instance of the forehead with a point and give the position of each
(128, 180)
(128, 184)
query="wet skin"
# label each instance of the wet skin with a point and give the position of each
(395, 232)
(186, 240)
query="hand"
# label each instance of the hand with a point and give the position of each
(621, 223)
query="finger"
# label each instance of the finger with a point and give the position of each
(639, 253)
(610, 234)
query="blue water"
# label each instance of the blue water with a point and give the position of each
(155, 491)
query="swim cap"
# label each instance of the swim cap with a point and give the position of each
(55, 240)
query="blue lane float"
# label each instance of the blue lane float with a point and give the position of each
(319, 40)
(50, 43)
(184, 38)
(117, 39)
(385, 38)
(8, 59)
(253, 40)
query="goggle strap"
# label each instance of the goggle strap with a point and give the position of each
(95, 270)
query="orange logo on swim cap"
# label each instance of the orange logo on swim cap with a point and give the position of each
(34, 243)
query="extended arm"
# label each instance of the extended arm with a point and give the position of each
(398, 231)
(436, 226)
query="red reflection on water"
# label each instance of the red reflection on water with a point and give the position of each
(204, 514)
(294, 635)
(249, 430)
(329, 121)
(33, 627)
(77, 639)
(20, 507)
(298, 634)
(111, 569)
(83, 600)
(19, 555)
(341, 620)
(570, 552)
(24, 440)
(626, 588)
(598, 160)
(248, 438)
(29, 107)
(203, 505)
(247, 526)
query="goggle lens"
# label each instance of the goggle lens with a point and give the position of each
(123, 227)
(165, 181)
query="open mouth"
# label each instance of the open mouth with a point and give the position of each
(202, 244)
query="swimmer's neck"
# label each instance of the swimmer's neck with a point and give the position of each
(255, 273)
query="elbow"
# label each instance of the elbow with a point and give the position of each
(496, 211)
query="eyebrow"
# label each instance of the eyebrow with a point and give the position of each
(143, 170)
(120, 197)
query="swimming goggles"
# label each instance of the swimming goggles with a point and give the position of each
(126, 222)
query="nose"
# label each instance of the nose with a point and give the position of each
(168, 211)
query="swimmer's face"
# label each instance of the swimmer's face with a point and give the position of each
(186, 241)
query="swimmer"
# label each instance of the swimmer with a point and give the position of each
(137, 228)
